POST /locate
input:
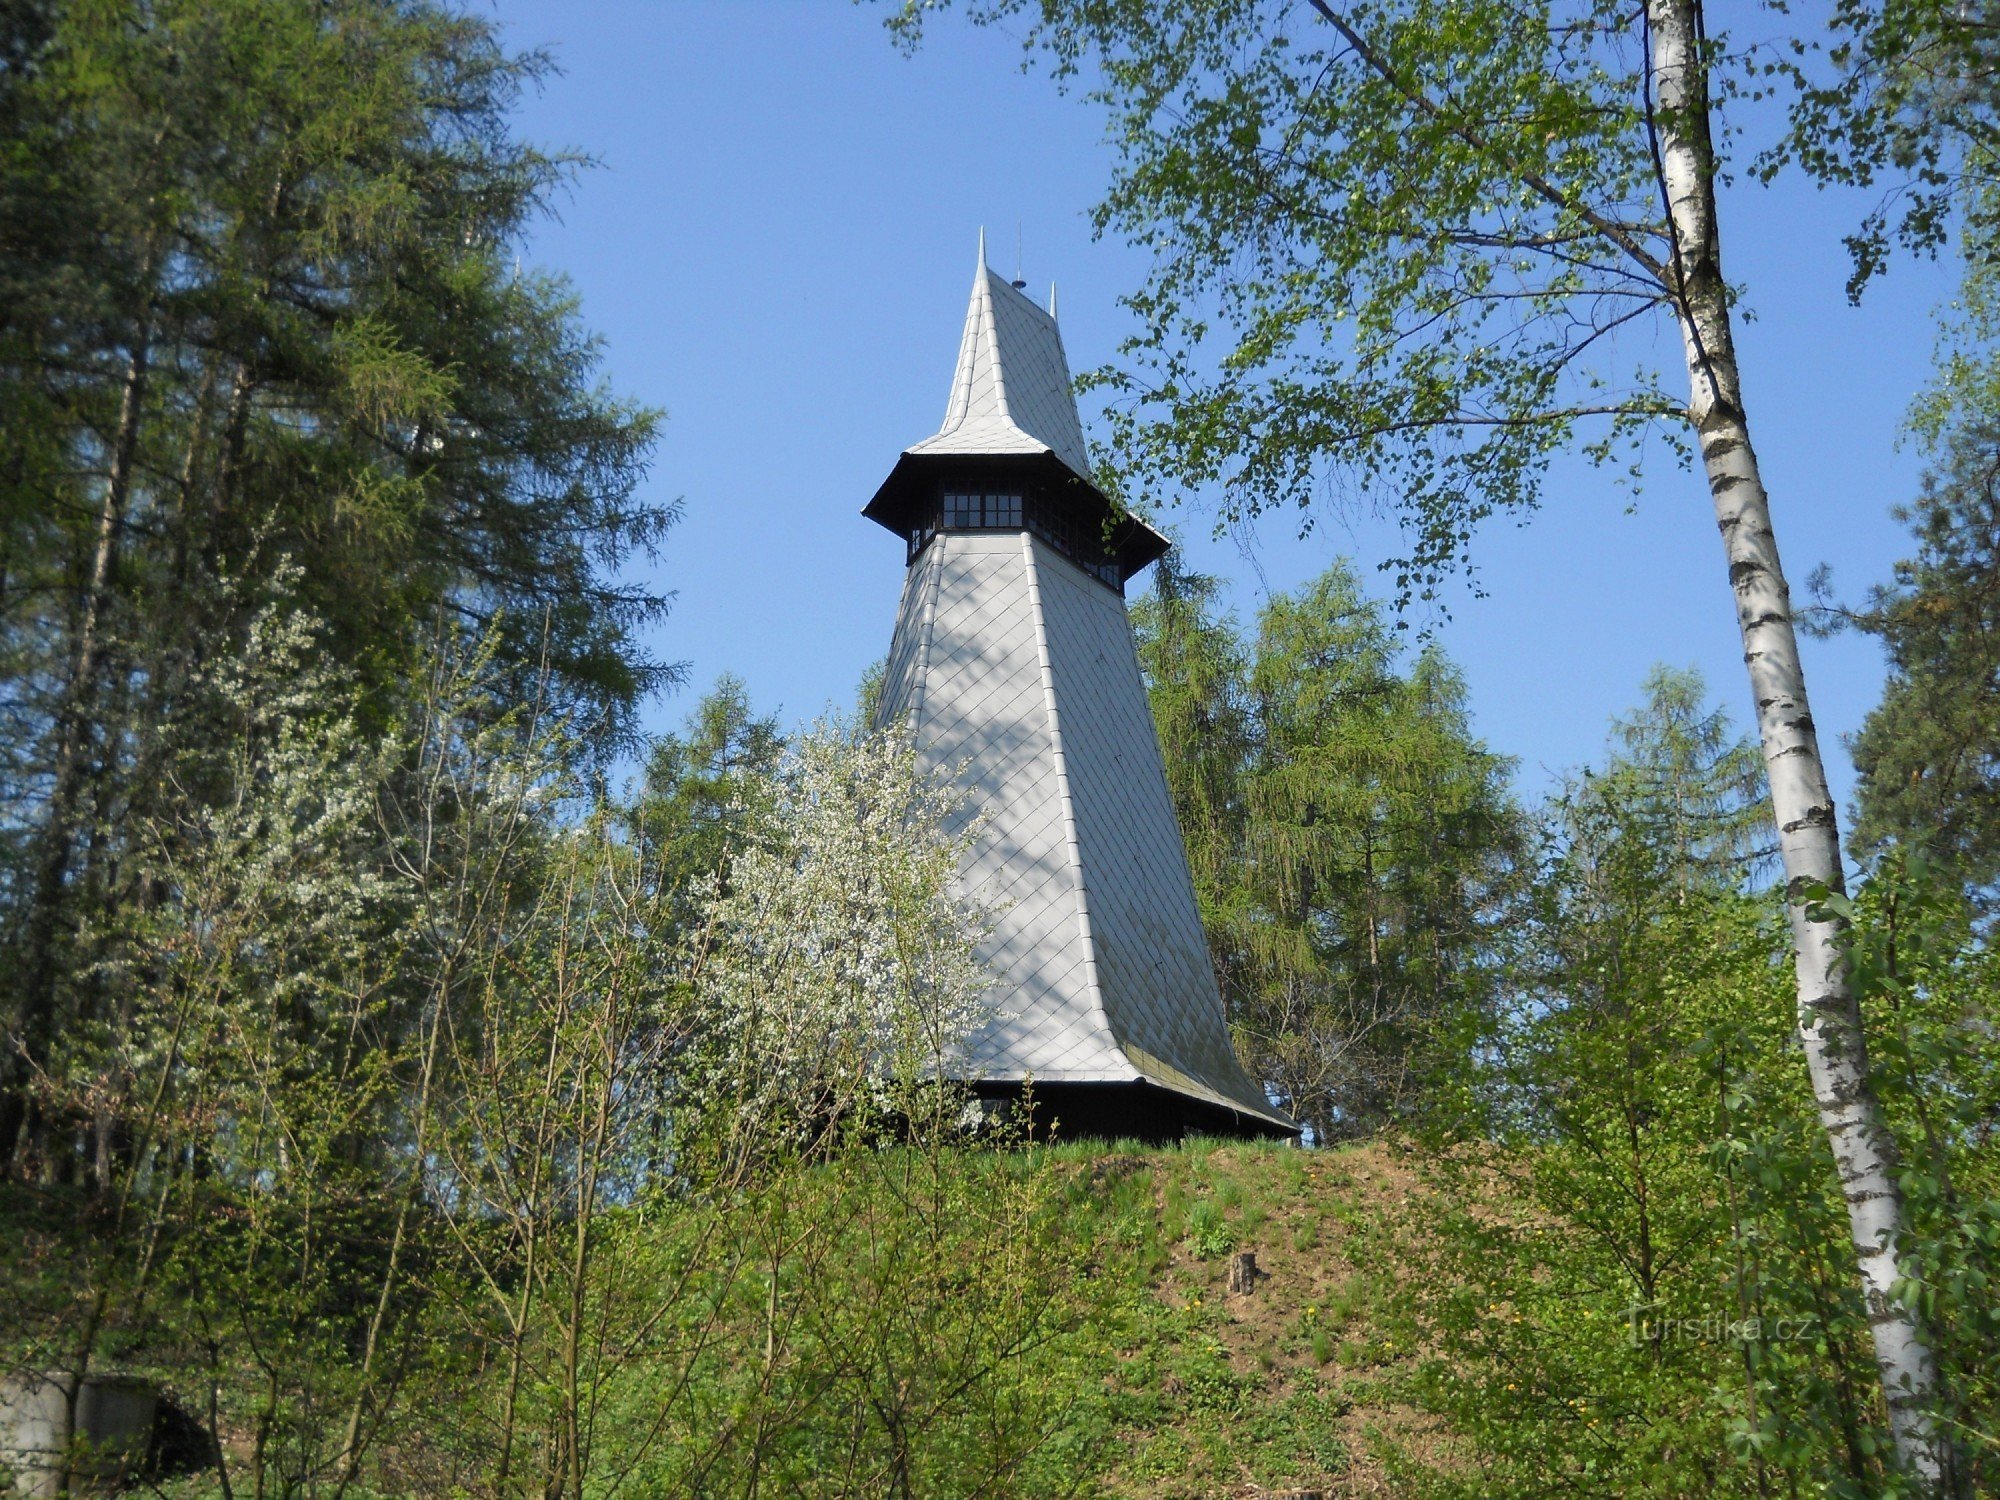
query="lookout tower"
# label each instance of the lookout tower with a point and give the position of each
(1013, 656)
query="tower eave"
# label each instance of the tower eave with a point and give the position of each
(914, 481)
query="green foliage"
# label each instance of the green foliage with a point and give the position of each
(1933, 981)
(1681, 789)
(900, 1273)
(1545, 1314)
(1208, 1233)
(897, 1323)
(1907, 109)
(1392, 249)
(296, 228)
(441, 1124)
(1910, 109)
(1351, 841)
(1929, 753)
(1637, 1272)
(265, 329)
(694, 804)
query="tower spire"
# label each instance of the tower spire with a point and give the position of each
(1010, 393)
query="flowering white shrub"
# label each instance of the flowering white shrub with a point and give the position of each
(837, 963)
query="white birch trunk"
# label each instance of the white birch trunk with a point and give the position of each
(1829, 1015)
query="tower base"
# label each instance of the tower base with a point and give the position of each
(1139, 1111)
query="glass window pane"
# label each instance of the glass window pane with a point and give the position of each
(982, 511)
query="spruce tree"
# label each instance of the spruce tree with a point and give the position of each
(1929, 753)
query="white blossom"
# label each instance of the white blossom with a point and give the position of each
(838, 960)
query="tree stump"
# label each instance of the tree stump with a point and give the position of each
(1243, 1272)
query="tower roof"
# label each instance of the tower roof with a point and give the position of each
(1012, 410)
(1011, 391)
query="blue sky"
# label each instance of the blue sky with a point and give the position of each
(777, 248)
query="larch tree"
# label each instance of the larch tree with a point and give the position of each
(1376, 837)
(1350, 839)
(1691, 787)
(695, 802)
(263, 315)
(1197, 671)
(1409, 249)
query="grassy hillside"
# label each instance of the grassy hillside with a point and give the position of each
(951, 1323)
(1044, 1322)
(1294, 1384)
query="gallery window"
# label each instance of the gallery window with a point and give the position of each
(965, 508)
(984, 512)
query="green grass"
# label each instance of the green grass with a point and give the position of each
(1162, 1383)
(1213, 1394)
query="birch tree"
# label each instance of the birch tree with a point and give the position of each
(1414, 250)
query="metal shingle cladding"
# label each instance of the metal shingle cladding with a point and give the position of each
(966, 672)
(1010, 663)
(1155, 980)
(1011, 391)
